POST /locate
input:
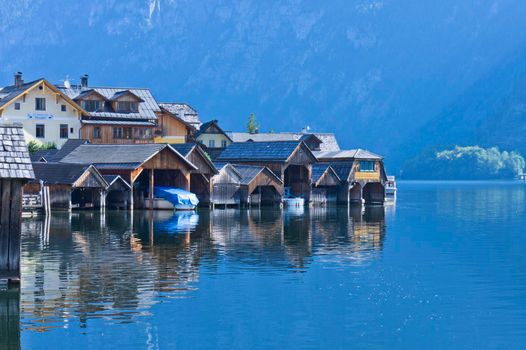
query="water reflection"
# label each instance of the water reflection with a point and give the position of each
(9, 318)
(85, 265)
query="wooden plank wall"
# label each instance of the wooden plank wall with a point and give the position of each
(10, 227)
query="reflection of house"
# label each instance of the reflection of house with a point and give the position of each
(115, 115)
(46, 114)
(291, 161)
(142, 166)
(315, 141)
(362, 173)
(213, 137)
(70, 185)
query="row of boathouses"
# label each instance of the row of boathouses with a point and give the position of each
(115, 145)
(243, 174)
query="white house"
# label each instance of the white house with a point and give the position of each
(46, 114)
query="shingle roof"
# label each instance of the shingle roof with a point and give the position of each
(347, 154)
(59, 173)
(69, 146)
(11, 92)
(328, 140)
(183, 111)
(48, 155)
(14, 156)
(259, 151)
(183, 148)
(110, 179)
(128, 155)
(249, 172)
(319, 169)
(147, 108)
(118, 122)
(342, 169)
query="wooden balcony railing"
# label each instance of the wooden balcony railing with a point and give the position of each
(367, 175)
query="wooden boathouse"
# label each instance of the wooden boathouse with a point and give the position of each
(226, 185)
(200, 177)
(118, 192)
(259, 185)
(141, 165)
(15, 171)
(291, 161)
(67, 186)
(362, 174)
(325, 185)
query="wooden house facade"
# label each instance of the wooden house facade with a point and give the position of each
(173, 129)
(15, 171)
(142, 166)
(291, 161)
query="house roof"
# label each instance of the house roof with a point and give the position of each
(184, 111)
(126, 156)
(110, 179)
(347, 154)
(147, 108)
(61, 173)
(10, 93)
(328, 140)
(186, 148)
(14, 156)
(119, 94)
(249, 172)
(205, 126)
(277, 151)
(320, 169)
(45, 155)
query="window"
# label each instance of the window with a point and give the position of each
(63, 131)
(117, 133)
(211, 143)
(91, 105)
(223, 143)
(127, 133)
(40, 131)
(366, 165)
(63, 108)
(17, 106)
(71, 130)
(127, 106)
(96, 132)
(40, 104)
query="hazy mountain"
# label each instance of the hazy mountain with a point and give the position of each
(375, 72)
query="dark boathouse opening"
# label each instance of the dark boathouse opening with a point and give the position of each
(374, 193)
(355, 193)
(297, 180)
(265, 195)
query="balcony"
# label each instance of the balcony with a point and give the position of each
(367, 176)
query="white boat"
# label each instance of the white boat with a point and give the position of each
(291, 201)
(390, 187)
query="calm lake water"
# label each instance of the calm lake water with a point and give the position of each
(443, 268)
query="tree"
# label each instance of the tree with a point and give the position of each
(34, 146)
(252, 126)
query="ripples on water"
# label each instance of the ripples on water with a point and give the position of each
(444, 267)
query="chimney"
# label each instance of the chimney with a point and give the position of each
(18, 79)
(84, 81)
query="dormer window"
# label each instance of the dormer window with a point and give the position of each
(127, 106)
(91, 105)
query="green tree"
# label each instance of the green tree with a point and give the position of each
(34, 146)
(252, 126)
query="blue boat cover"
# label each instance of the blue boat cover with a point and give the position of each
(176, 196)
